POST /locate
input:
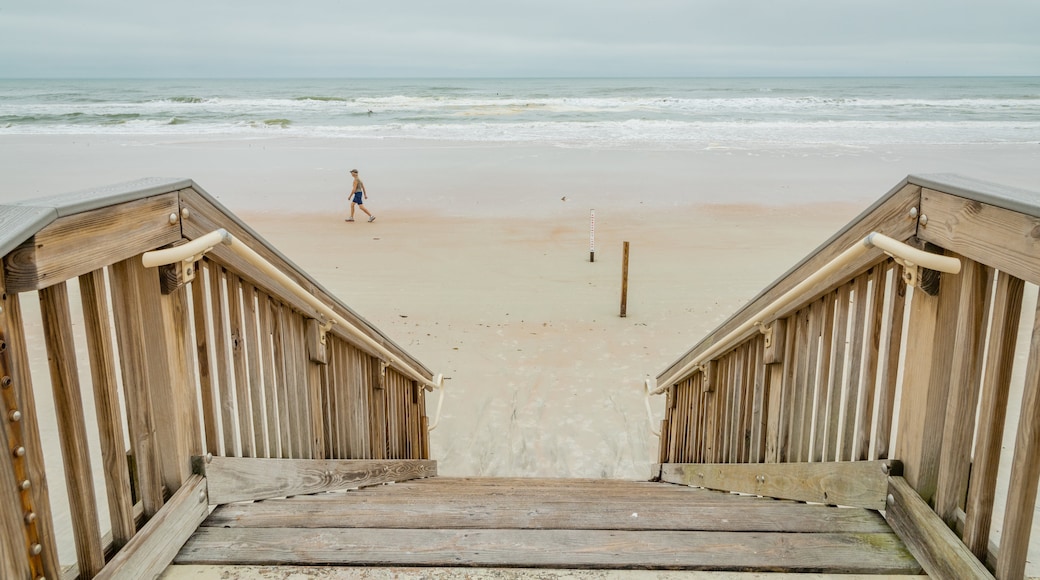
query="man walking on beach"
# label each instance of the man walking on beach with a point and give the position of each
(357, 195)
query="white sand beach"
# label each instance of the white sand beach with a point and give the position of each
(478, 263)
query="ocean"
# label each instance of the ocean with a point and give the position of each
(698, 113)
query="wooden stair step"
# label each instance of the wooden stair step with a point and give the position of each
(877, 553)
(519, 513)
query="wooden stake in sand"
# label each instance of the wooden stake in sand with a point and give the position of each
(592, 236)
(624, 281)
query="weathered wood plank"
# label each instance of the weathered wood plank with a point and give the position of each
(127, 298)
(270, 382)
(19, 223)
(72, 428)
(206, 217)
(237, 342)
(101, 351)
(1025, 468)
(854, 386)
(12, 339)
(222, 373)
(890, 216)
(286, 426)
(226, 572)
(355, 510)
(237, 479)
(932, 327)
(997, 237)
(965, 377)
(865, 417)
(155, 546)
(935, 546)
(77, 244)
(857, 483)
(827, 360)
(1007, 309)
(832, 553)
(14, 553)
(889, 371)
(201, 318)
(180, 431)
(836, 379)
(811, 377)
(252, 345)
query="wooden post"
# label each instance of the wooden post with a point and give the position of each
(72, 429)
(592, 236)
(922, 411)
(624, 281)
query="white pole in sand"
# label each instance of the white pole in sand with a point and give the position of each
(592, 236)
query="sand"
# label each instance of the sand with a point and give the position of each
(478, 262)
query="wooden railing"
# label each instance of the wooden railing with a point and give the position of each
(866, 372)
(217, 358)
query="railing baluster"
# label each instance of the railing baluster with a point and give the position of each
(272, 396)
(1007, 310)
(836, 380)
(201, 319)
(854, 380)
(826, 358)
(1025, 470)
(244, 415)
(127, 298)
(889, 372)
(932, 326)
(173, 381)
(223, 371)
(965, 376)
(97, 322)
(865, 420)
(257, 400)
(72, 428)
(30, 473)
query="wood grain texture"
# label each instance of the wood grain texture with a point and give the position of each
(207, 217)
(1025, 468)
(12, 334)
(996, 237)
(101, 351)
(154, 547)
(890, 216)
(356, 510)
(129, 315)
(72, 427)
(80, 243)
(239, 479)
(935, 546)
(830, 553)
(1007, 309)
(888, 373)
(963, 400)
(859, 483)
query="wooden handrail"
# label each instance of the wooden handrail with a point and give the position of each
(230, 363)
(193, 250)
(903, 253)
(859, 367)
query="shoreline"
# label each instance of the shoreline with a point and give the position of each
(310, 175)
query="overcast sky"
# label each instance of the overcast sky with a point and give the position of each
(503, 38)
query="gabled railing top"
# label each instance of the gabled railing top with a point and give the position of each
(230, 352)
(883, 361)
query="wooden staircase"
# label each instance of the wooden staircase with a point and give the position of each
(549, 523)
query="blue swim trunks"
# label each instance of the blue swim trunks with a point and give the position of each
(357, 198)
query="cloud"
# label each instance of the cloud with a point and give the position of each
(534, 38)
